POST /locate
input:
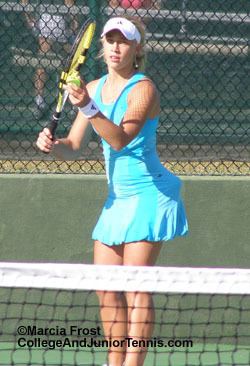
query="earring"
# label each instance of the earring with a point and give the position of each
(136, 64)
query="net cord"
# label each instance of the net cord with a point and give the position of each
(125, 278)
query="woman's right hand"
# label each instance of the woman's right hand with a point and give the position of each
(45, 141)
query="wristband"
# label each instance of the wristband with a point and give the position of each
(89, 110)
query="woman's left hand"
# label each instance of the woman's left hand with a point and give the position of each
(78, 96)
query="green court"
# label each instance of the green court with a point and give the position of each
(210, 355)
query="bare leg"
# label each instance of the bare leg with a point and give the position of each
(140, 305)
(40, 79)
(40, 76)
(130, 316)
(113, 305)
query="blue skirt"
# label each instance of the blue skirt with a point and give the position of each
(151, 211)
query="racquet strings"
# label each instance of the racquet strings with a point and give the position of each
(75, 60)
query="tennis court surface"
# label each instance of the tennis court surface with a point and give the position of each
(50, 315)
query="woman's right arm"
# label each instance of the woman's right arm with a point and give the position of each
(67, 148)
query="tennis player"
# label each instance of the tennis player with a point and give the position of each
(144, 205)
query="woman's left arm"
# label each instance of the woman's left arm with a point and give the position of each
(143, 103)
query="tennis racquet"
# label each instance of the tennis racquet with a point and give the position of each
(73, 64)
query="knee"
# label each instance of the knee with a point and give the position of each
(141, 300)
(108, 298)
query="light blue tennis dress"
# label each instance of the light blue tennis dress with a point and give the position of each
(144, 201)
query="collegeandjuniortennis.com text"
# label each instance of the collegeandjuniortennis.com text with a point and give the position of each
(37, 337)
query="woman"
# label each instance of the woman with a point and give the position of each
(143, 207)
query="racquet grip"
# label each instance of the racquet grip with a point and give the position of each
(52, 126)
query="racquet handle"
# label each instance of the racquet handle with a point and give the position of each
(52, 126)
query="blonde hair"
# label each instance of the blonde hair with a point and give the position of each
(140, 59)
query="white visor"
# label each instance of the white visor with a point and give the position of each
(127, 28)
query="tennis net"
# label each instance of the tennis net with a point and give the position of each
(49, 314)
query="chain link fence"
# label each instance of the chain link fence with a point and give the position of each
(198, 54)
